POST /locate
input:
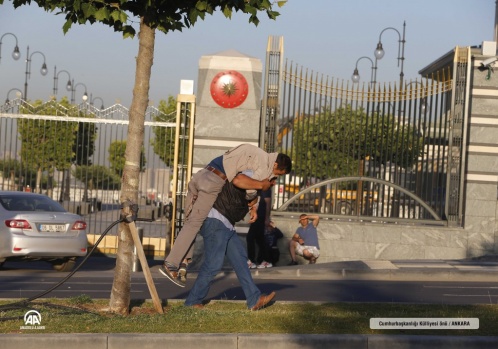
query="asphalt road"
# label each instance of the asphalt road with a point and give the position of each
(28, 279)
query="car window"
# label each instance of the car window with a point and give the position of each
(30, 203)
(20, 205)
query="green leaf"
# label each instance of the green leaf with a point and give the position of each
(281, 3)
(250, 10)
(124, 17)
(192, 16)
(128, 31)
(227, 12)
(272, 14)
(88, 9)
(201, 5)
(102, 14)
(254, 20)
(67, 26)
(116, 15)
(265, 4)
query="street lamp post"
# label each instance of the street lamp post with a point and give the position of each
(73, 91)
(19, 94)
(56, 80)
(43, 70)
(95, 98)
(16, 54)
(373, 75)
(379, 51)
(422, 93)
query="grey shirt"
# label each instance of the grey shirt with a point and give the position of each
(249, 157)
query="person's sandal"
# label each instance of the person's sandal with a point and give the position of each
(172, 274)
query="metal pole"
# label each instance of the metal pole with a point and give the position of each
(55, 81)
(136, 266)
(73, 91)
(27, 73)
(496, 22)
(401, 75)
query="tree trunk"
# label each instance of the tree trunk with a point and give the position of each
(38, 181)
(120, 293)
(63, 186)
(67, 186)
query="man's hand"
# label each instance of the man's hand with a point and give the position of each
(253, 213)
(268, 183)
(265, 184)
(298, 239)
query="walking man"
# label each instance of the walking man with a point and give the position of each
(220, 240)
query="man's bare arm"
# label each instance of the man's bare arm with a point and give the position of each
(245, 182)
(314, 218)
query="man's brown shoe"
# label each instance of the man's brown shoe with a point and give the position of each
(263, 301)
(197, 306)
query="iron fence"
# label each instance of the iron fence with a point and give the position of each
(75, 155)
(360, 151)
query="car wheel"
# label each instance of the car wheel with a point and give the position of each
(344, 208)
(63, 265)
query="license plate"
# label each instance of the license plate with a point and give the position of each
(52, 228)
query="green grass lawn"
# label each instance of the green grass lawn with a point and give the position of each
(84, 315)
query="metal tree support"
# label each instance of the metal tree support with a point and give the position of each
(182, 168)
(128, 212)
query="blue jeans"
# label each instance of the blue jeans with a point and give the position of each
(218, 242)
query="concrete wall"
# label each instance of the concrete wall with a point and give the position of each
(481, 187)
(218, 129)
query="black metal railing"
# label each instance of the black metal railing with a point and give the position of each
(396, 138)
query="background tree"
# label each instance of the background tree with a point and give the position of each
(331, 144)
(162, 15)
(164, 137)
(20, 174)
(83, 149)
(46, 144)
(97, 177)
(117, 160)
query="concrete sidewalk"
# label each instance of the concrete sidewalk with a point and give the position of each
(403, 270)
(241, 341)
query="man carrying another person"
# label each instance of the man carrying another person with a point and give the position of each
(305, 241)
(220, 240)
(203, 189)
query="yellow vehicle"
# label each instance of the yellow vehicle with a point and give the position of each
(335, 201)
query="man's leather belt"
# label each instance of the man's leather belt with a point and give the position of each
(216, 172)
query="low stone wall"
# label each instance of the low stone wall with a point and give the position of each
(341, 241)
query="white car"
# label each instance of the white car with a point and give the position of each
(33, 226)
